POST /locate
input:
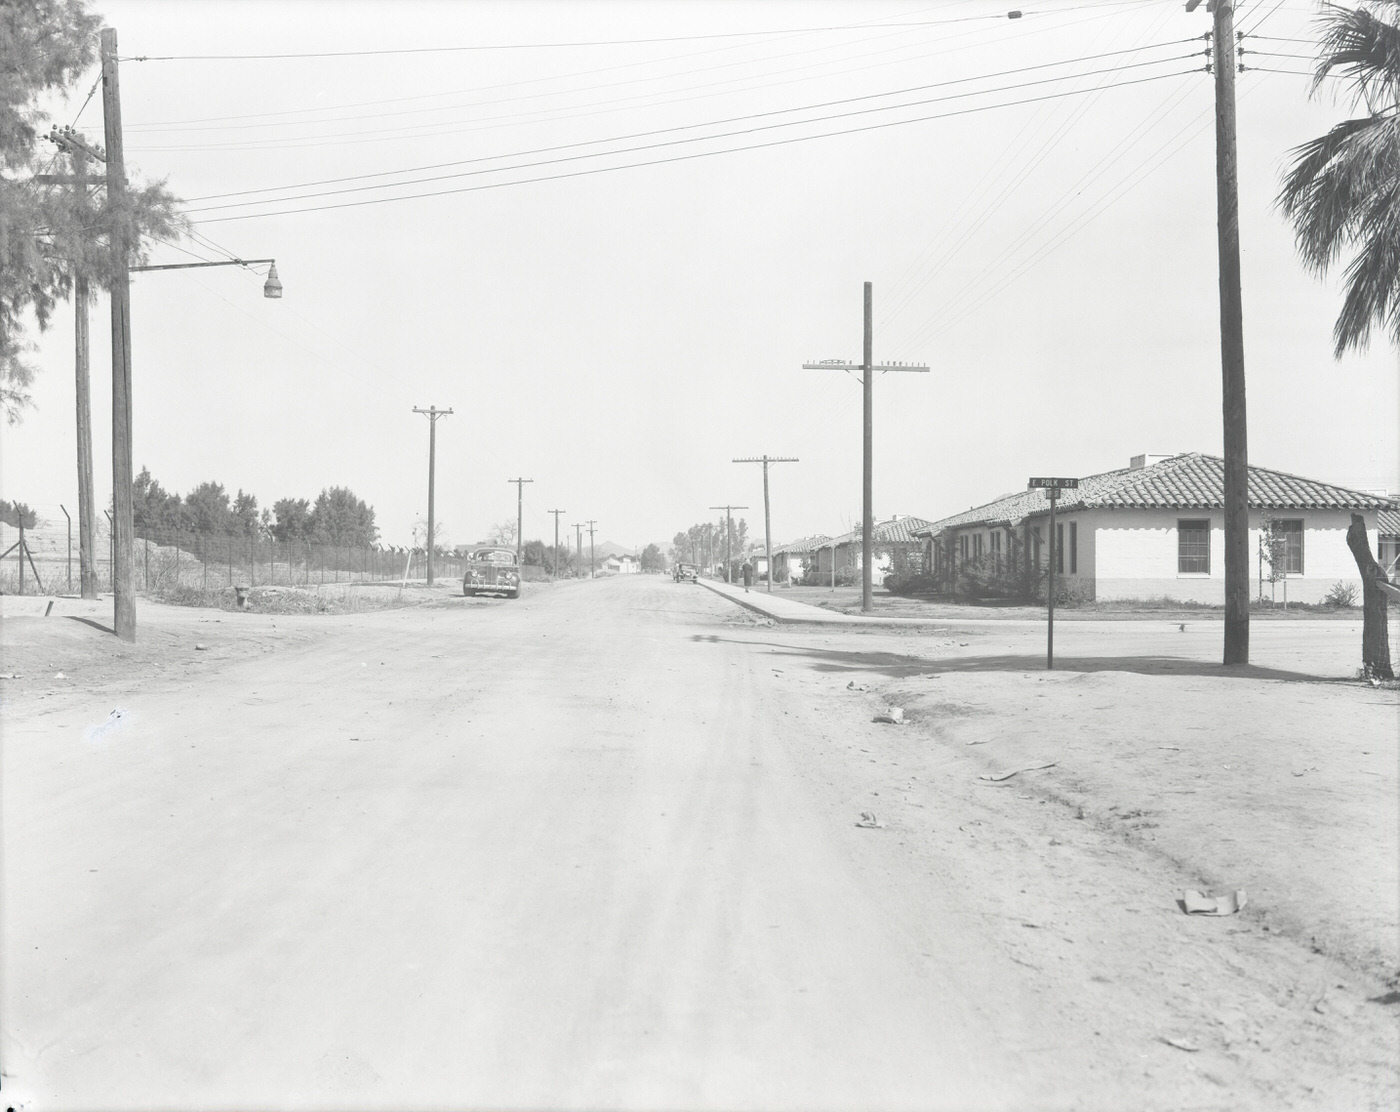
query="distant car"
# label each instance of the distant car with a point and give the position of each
(686, 572)
(491, 571)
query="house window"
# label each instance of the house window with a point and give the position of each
(1388, 549)
(1292, 533)
(962, 546)
(1193, 547)
(1059, 549)
(1074, 548)
(977, 546)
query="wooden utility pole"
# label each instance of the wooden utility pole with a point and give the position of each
(868, 367)
(432, 413)
(556, 514)
(1236, 448)
(578, 542)
(728, 528)
(767, 530)
(123, 577)
(591, 572)
(519, 513)
(68, 140)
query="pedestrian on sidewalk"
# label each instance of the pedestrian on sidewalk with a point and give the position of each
(748, 575)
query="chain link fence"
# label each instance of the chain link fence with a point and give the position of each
(45, 560)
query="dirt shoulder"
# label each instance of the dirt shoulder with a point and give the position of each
(847, 600)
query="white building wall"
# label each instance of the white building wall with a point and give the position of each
(1134, 555)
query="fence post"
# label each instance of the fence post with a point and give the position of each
(70, 549)
(147, 542)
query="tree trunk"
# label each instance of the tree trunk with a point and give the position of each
(1375, 640)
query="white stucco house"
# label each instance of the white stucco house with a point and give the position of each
(622, 564)
(1155, 530)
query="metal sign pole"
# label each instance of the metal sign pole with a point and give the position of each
(1052, 488)
(1054, 496)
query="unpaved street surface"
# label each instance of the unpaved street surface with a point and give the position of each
(598, 849)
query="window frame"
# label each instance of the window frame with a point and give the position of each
(1192, 525)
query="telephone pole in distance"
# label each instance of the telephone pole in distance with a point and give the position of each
(556, 514)
(519, 513)
(767, 530)
(591, 523)
(578, 542)
(432, 413)
(868, 367)
(728, 528)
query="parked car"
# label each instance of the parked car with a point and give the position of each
(491, 571)
(686, 572)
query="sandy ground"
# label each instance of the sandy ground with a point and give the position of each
(598, 848)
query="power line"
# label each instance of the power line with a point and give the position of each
(486, 47)
(736, 119)
(683, 157)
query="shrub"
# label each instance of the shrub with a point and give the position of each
(911, 584)
(1340, 596)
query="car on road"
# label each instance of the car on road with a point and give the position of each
(491, 571)
(685, 572)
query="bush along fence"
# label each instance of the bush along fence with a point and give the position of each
(163, 563)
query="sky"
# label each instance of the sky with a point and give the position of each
(607, 235)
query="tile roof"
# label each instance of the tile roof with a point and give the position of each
(802, 544)
(1193, 481)
(900, 530)
(1388, 523)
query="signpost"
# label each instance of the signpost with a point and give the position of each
(1052, 488)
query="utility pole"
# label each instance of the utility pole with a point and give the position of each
(578, 538)
(767, 531)
(432, 413)
(556, 514)
(69, 141)
(123, 577)
(1236, 449)
(590, 548)
(728, 528)
(868, 367)
(519, 513)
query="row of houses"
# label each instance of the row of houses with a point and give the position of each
(1153, 529)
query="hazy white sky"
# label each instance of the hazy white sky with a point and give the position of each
(619, 335)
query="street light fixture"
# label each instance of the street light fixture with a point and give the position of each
(271, 288)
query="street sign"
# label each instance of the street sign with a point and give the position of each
(1052, 488)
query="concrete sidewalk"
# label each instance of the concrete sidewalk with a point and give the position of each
(780, 608)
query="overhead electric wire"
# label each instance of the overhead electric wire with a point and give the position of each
(680, 141)
(990, 202)
(687, 157)
(485, 47)
(709, 123)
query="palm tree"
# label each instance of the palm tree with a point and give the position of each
(1343, 191)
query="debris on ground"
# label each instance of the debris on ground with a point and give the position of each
(853, 686)
(1201, 903)
(869, 821)
(997, 777)
(891, 715)
(1182, 1044)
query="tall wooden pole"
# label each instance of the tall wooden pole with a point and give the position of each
(87, 511)
(123, 561)
(867, 486)
(432, 413)
(556, 514)
(869, 368)
(1236, 451)
(519, 513)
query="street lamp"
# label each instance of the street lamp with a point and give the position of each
(271, 288)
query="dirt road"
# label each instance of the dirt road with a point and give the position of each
(598, 848)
